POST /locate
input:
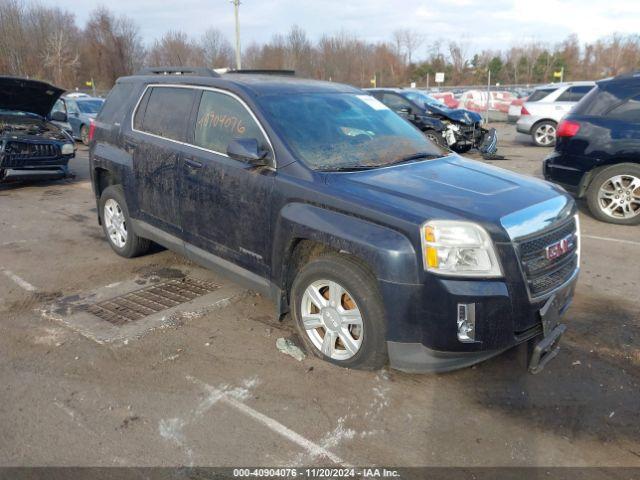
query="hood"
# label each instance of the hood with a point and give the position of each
(456, 114)
(453, 187)
(30, 96)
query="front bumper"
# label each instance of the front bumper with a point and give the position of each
(38, 173)
(425, 339)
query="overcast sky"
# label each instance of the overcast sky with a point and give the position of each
(482, 23)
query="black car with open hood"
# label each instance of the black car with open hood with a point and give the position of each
(31, 147)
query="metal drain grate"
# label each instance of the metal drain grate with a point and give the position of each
(147, 301)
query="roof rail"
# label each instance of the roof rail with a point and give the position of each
(289, 73)
(194, 71)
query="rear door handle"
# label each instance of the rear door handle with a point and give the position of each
(192, 164)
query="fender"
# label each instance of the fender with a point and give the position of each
(389, 253)
(431, 122)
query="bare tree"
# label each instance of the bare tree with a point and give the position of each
(217, 50)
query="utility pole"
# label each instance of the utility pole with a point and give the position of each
(488, 95)
(236, 7)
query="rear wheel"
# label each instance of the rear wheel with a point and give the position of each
(614, 194)
(544, 134)
(339, 312)
(116, 224)
(461, 148)
(84, 134)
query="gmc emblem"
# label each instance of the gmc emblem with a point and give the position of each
(561, 247)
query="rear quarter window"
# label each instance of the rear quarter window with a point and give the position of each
(540, 93)
(167, 113)
(597, 102)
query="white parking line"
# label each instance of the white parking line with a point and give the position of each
(218, 395)
(608, 239)
(20, 281)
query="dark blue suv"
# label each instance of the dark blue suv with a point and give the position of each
(597, 153)
(382, 246)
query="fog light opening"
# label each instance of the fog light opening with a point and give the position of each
(466, 322)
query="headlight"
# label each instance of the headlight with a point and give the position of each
(67, 149)
(458, 248)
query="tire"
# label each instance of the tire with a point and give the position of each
(543, 133)
(84, 134)
(359, 295)
(461, 148)
(436, 138)
(607, 204)
(114, 217)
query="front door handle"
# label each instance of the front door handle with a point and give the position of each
(192, 164)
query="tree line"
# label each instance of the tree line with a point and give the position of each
(46, 43)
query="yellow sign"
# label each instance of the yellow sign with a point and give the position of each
(557, 74)
(89, 83)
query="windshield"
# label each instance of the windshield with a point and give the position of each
(340, 130)
(424, 100)
(89, 106)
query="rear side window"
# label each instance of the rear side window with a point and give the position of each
(221, 118)
(540, 93)
(167, 112)
(628, 111)
(115, 106)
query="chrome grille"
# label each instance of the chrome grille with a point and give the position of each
(542, 273)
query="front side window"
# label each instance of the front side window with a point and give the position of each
(424, 100)
(167, 112)
(222, 118)
(72, 107)
(329, 131)
(395, 102)
(59, 107)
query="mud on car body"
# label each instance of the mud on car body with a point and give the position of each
(381, 245)
(455, 128)
(30, 146)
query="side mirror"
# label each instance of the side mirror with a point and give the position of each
(247, 150)
(59, 116)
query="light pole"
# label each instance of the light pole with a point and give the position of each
(236, 7)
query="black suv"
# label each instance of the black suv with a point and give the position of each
(597, 152)
(381, 245)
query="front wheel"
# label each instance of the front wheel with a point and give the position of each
(339, 312)
(544, 134)
(614, 194)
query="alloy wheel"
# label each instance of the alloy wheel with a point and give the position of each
(332, 319)
(115, 223)
(545, 134)
(619, 196)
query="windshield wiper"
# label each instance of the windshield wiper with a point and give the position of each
(416, 156)
(349, 168)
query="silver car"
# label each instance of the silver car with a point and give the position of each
(543, 110)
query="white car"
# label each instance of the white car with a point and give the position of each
(545, 107)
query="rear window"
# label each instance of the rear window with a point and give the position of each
(167, 112)
(540, 93)
(628, 111)
(596, 102)
(115, 106)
